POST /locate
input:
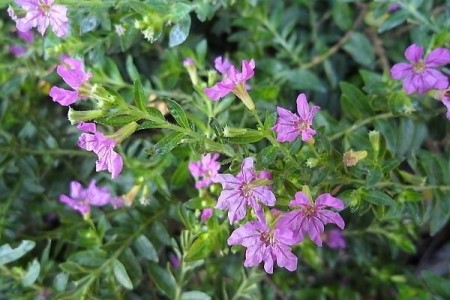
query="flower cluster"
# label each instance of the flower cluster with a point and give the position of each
(81, 199)
(73, 73)
(205, 169)
(93, 140)
(41, 14)
(420, 74)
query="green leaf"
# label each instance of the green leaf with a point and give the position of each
(167, 143)
(394, 20)
(89, 258)
(355, 103)
(32, 273)
(200, 248)
(146, 248)
(195, 295)
(139, 96)
(360, 49)
(378, 198)
(267, 156)
(117, 120)
(180, 176)
(251, 136)
(121, 275)
(177, 112)
(131, 68)
(7, 254)
(163, 280)
(305, 80)
(179, 33)
(437, 284)
(60, 281)
(342, 15)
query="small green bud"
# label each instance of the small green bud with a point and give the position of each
(374, 137)
(76, 116)
(233, 132)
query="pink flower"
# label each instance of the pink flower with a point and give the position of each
(73, 73)
(188, 62)
(265, 244)
(289, 125)
(26, 36)
(222, 65)
(206, 214)
(17, 50)
(41, 14)
(232, 82)
(247, 188)
(334, 239)
(420, 74)
(95, 141)
(446, 101)
(82, 199)
(311, 217)
(206, 168)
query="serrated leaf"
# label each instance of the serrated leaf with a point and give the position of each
(139, 96)
(121, 275)
(163, 280)
(146, 248)
(7, 254)
(32, 273)
(195, 295)
(178, 113)
(167, 143)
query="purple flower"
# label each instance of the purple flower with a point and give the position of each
(232, 82)
(82, 199)
(73, 73)
(420, 74)
(188, 62)
(206, 214)
(289, 125)
(26, 36)
(41, 14)
(95, 141)
(206, 168)
(17, 50)
(265, 244)
(446, 101)
(247, 188)
(311, 217)
(334, 239)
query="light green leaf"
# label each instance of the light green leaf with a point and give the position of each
(167, 143)
(180, 32)
(163, 280)
(32, 273)
(146, 248)
(121, 275)
(7, 254)
(195, 295)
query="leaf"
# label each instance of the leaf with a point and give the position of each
(121, 275)
(32, 273)
(251, 136)
(60, 281)
(437, 284)
(360, 49)
(90, 258)
(378, 198)
(179, 11)
(163, 280)
(180, 32)
(394, 20)
(7, 254)
(131, 68)
(146, 248)
(117, 120)
(167, 143)
(200, 248)
(305, 80)
(195, 295)
(268, 155)
(177, 112)
(139, 96)
(355, 103)
(342, 15)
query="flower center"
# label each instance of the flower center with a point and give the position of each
(301, 125)
(44, 7)
(246, 190)
(267, 238)
(419, 67)
(309, 210)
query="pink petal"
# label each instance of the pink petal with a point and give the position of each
(62, 96)
(401, 70)
(330, 201)
(438, 57)
(300, 199)
(414, 53)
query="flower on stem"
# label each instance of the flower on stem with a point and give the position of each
(351, 158)
(420, 74)
(289, 125)
(247, 188)
(82, 199)
(265, 244)
(41, 14)
(205, 169)
(73, 73)
(310, 217)
(233, 82)
(95, 141)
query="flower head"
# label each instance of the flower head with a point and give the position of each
(289, 125)
(82, 199)
(41, 14)
(233, 81)
(205, 169)
(420, 74)
(206, 214)
(310, 217)
(73, 73)
(93, 140)
(334, 239)
(247, 188)
(265, 244)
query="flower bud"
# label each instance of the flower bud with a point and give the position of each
(351, 157)
(190, 66)
(374, 137)
(76, 116)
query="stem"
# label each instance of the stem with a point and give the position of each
(360, 124)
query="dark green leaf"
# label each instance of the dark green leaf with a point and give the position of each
(146, 248)
(360, 49)
(163, 280)
(195, 295)
(90, 258)
(121, 275)
(378, 198)
(178, 113)
(437, 284)
(139, 96)
(305, 80)
(166, 144)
